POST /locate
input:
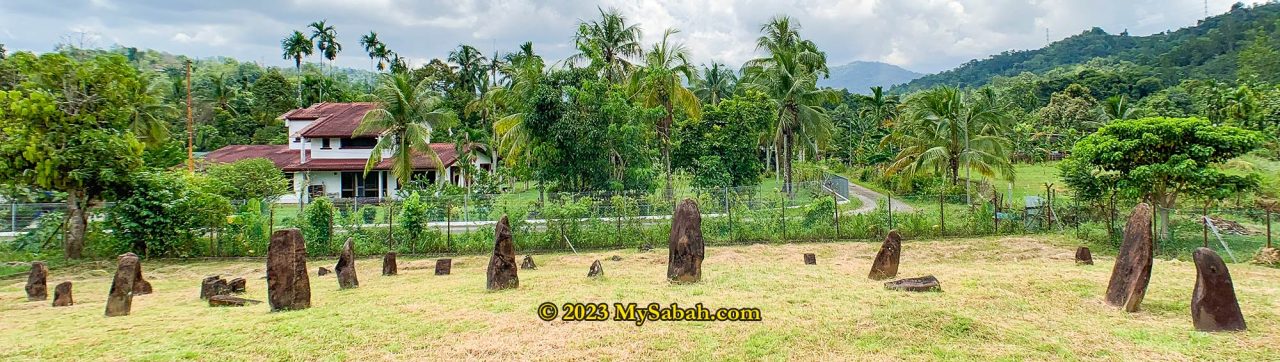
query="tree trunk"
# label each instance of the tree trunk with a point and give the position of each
(786, 159)
(1163, 214)
(665, 130)
(77, 222)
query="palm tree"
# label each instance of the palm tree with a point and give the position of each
(607, 44)
(326, 39)
(789, 77)
(295, 47)
(149, 116)
(1117, 107)
(1240, 105)
(942, 131)
(374, 48)
(524, 73)
(219, 91)
(660, 83)
(471, 68)
(717, 82)
(405, 116)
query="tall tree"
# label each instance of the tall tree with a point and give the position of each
(716, 83)
(296, 46)
(68, 129)
(789, 77)
(472, 69)
(326, 39)
(374, 48)
(942, 131)
(660, 83)
(405, 116)
(608, 44)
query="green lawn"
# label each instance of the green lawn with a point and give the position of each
(1003, 299)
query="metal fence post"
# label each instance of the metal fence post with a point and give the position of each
(836, 202)
(889, 208)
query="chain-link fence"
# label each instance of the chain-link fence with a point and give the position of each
(825, 210)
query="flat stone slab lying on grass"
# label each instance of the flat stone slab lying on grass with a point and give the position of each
(1132, 271)
(37, 282)
(502, 272)
(810, 259)
(1083, 256)
(596, 270)
(926, 283)
(62, 295)
(885, 265)
(230, 301)
(1213, 301)
(528, 263)
(444, 266)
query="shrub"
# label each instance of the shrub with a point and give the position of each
(317, 226)
(161, 213)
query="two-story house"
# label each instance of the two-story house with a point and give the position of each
(325, 156)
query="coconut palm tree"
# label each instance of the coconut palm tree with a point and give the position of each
(608, 44)
(296, 46)
(660, 83)
(1117, 107)
(717, 82)
(471, 68)
(941, 131)
(219, 91)
(405, 116)
(789, 77)
(149, 116)
(374, 48)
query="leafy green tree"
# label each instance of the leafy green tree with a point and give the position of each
(942, 131)
(272, 93)
(249, 179)
(317, 225)
(608, 44)
(67, 127)
(1259, 63)
(720, 149)
(1073, 107)
(1158, 160)
(414, 216)
(660, 83)
(405, 115)
(160, 213)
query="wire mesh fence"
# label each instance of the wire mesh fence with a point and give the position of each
(543, 222)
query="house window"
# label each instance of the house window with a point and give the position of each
(356, 184)
(288, 176)
(324, 143)
(359, 143)
(297, 139)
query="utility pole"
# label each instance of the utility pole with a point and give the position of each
(191, 133)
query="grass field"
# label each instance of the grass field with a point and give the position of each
(1009, 299)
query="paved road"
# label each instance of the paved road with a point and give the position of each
(870, 199)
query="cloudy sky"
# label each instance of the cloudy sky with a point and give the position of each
(921, 35)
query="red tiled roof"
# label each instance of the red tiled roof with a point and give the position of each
(281, 155)
(332, 119)
(287, 159)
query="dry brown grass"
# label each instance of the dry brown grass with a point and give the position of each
(1011, 298)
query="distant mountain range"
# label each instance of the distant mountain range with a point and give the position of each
(859, 76)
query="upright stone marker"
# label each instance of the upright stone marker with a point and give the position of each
(810, 259)
(140, 285)
(502, 265)
(1213, 302)
(1132, 270)
(62, 295)
(120, 299)
(596, 270)
(237, 285)
(444, 266)
(346, 267)
(528, 263)
(886, 264)
(389, 264)
(37, 282)
(322, 271)
(684, 244)
(213, 285)
(1083, 256)
(288, 286)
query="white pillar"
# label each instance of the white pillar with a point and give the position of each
(381, 182)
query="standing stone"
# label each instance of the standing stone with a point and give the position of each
(230, 301)
(213, 285)
(922, 284)
(346, 267)
(443, 266)
(120, 299)
(886, 264)
(1132, 270)
(37, 287)
(288, 286)
(596, 270)
(1083, 256)
(62, 295)
(323, 271)
(1213, 301)
(810, 259)
(684, 258)
(389, 264)
(237, 285)
(528, 263)
(502, 265)
(140, 286)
